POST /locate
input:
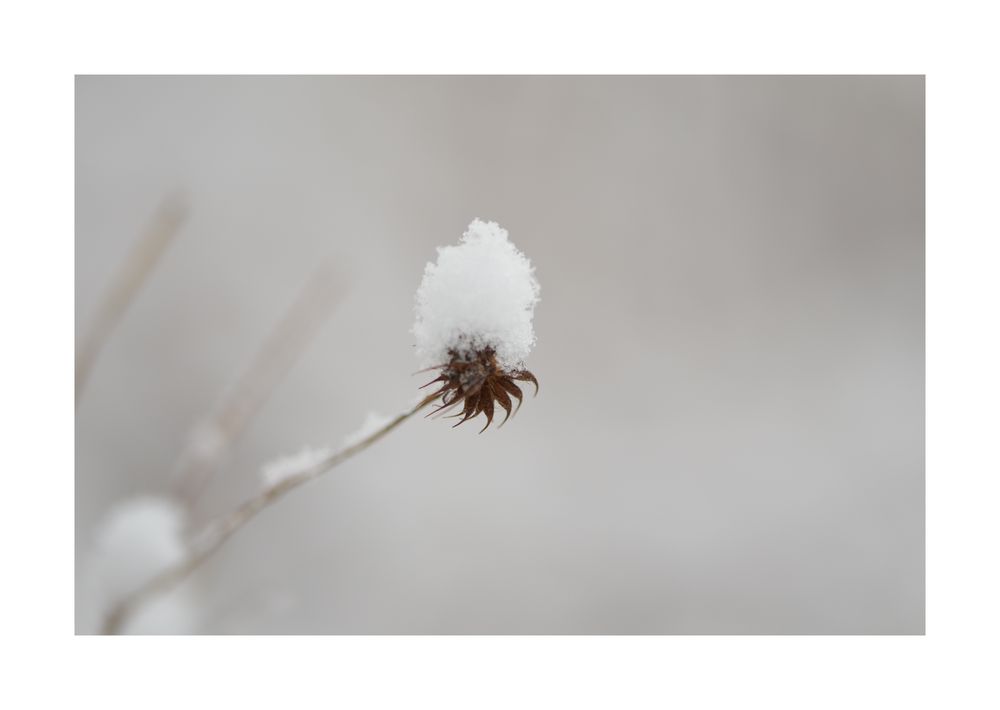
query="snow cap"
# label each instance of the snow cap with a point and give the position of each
(480, 294)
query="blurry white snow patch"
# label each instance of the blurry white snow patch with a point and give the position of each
(481, 293)
(373, 422)
(277, 470)
(137, 540)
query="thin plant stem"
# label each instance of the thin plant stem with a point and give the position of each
(225, 527)
(126, 283)
(275, 356)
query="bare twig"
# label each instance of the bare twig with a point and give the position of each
(220, 531)
(126, 283)
(272, 361)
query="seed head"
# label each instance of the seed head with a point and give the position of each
(477, 381)
(474, 322)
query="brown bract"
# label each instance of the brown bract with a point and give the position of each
(477, 381)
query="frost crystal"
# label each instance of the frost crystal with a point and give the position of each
(138, 539)
(276, 471)
(480, 294)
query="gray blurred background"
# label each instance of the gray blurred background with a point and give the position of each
(729, 434)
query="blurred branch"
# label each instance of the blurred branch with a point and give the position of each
(275, 356)
(224, 528)
(126, 282)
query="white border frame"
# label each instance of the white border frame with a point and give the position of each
(950, 667)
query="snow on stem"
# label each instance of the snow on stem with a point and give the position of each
(221, 530)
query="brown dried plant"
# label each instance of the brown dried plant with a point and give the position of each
(477, 380)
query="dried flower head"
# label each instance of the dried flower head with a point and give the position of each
(478, 381)
(474, 321)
